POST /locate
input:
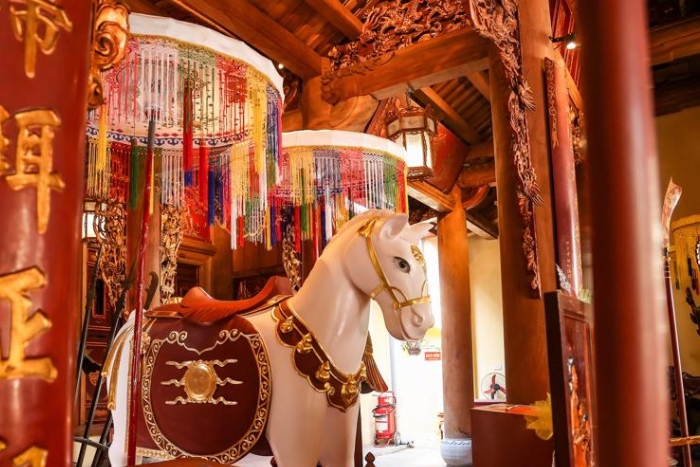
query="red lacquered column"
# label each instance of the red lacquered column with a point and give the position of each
(623, 186)
(43, 92)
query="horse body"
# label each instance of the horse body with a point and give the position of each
(373, 256)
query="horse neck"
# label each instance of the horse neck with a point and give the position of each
(336, 312)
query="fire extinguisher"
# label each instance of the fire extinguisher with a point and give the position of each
(384, 418)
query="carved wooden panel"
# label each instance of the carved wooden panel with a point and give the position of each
(569, 348)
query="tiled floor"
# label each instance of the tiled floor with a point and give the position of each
(409, 457)
(392, 456)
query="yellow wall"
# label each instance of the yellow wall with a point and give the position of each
(678, 137)
(487, 308)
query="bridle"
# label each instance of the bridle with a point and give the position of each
(398, 297)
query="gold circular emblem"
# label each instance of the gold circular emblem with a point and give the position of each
(200, 382)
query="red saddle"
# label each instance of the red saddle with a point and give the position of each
(199, 307)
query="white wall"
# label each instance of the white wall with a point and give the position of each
(417, 383)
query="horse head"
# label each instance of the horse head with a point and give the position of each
(385, 263)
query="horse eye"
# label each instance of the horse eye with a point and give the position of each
(402, 264)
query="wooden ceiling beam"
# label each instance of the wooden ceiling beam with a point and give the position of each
(430, 196)
(481, 226)
(477, 175)
(144, 7)
(450, 117)
(339, 16)
(677, 40)
(479, 151)
(242, 19)
(433, 61)
(571, 85)
(676, 96)
(480, 80)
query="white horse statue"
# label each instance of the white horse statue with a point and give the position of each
(314, 341)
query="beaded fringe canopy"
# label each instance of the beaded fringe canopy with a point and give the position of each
(326, 176)
(216, 113)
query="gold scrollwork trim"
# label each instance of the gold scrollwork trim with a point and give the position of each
(312, 362)
(242, 446)
(109, 39)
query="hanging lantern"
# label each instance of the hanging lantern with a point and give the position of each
(413, 127)
(328, 176)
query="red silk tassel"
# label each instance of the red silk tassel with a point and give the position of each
(203, 172)
(135, 389)
(187, 132)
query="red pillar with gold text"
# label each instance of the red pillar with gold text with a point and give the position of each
(43, 94)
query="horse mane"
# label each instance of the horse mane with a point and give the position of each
(361, 218)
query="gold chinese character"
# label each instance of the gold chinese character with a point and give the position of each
(23, 329)
(28, 17)
(32, 457)
(4, 142)
(34, 160)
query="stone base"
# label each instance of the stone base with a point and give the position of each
(456, 452)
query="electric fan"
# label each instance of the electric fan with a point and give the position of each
(493, 386)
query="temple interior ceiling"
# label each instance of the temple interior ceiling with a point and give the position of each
(360, 48)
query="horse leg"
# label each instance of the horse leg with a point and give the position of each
(296, 422)
(117, 450)
(338, 447)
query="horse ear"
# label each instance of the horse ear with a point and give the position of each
(416, 232)
(394, 225)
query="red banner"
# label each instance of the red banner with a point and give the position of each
(43, 93)
(563, 176)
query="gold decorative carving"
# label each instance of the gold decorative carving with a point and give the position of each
(34, 159)
(312, 362)
(551, 103)
(498, 21)
(290, 260)
(14, 288)
(393, 24)
(241, 447)
(580, 420)
(109, 39)
(171, 235)
(200, 382)
(389, 26)
(37, 23)
(578, 133)
(110, 229)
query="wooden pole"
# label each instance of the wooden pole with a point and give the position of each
(135, 387)
(623, 185)
(677, 366)
(457, 356)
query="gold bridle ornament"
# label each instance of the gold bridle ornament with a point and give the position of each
(384, 286)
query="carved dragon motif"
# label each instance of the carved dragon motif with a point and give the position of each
(110, 230)
(171, 238)
(497, 20)
(387, 27)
